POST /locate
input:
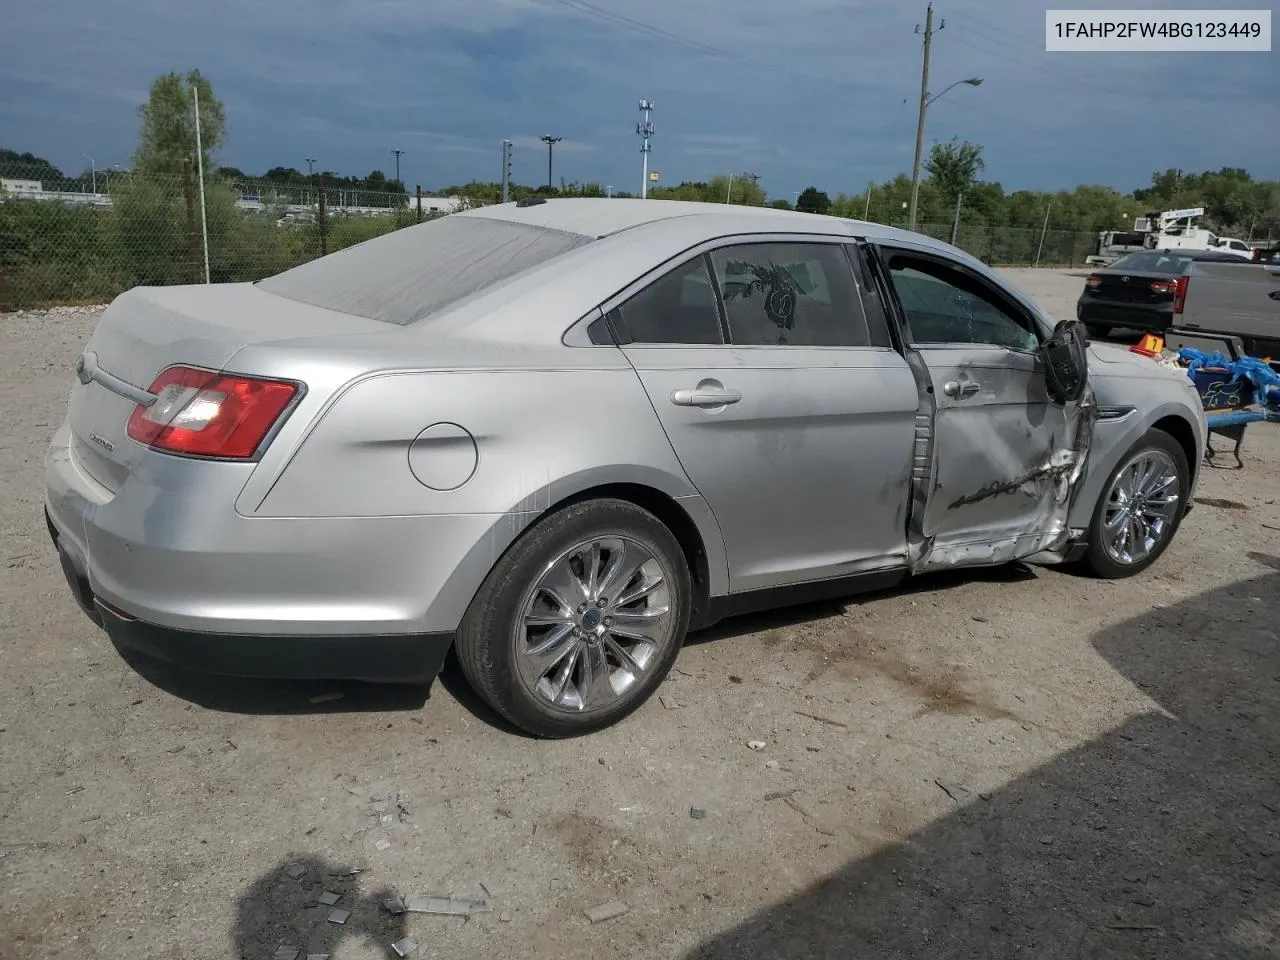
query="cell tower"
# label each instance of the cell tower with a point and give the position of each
(645, 129)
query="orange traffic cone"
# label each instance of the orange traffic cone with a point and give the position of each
(1151, 345)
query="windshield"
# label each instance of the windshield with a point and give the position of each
(411, 273)
(1153, 262)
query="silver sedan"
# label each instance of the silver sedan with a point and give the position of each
(556, 436)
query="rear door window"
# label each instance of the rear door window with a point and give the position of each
(679, 308)
(790, 294)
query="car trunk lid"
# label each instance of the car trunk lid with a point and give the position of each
(1135, 287)
(149, 329)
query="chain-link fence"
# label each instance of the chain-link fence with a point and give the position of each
(68, 242)
(1018, 246)
(84, 240)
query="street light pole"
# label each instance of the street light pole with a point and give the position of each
(915, 173)
(925, 101)
(551, 142)
(398, 152)
(93, 168)
(310, 161)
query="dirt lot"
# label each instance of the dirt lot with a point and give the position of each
(1011, 763)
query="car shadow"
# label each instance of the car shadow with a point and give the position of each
(1159, 838)
(259, 697)
(452, 679)
(281, 911)
(256, 697)
(934, 582)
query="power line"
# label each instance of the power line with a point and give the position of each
(1020, 48)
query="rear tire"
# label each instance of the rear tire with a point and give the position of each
(1133, 522)
(580, 621)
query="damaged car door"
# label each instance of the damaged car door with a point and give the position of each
(1004, 453)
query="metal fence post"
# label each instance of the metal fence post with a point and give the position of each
(419, 193)
(323, 218)
(193, 236)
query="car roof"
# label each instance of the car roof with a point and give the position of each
(599, 217)
(1190, 254)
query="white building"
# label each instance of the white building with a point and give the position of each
(20, 188)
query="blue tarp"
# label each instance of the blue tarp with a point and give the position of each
(1266, 382)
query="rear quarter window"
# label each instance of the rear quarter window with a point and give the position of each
(404, 276)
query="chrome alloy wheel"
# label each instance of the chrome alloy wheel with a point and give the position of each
(597, 619)
(1142, 506)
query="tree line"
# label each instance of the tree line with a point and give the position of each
(1235, 204)
(150, 234)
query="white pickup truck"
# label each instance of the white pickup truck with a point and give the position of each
(1183, 238)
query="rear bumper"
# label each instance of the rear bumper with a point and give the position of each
(379, 658)
(1133, 316)
(168, 548)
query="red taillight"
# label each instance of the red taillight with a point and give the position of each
(1094, 281)
(1180, 293)
(1163, 286)
(202, 413)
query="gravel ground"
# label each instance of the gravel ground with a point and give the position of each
(1018, 762)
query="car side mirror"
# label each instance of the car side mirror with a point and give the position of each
(1066, 362)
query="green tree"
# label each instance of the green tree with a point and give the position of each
(27, 166)
(953, 167)
(813, 200)
(169, 125)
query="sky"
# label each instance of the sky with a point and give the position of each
(806, 92)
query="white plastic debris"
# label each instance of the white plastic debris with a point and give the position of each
(606, 911)
(450, 906)
(756, 744)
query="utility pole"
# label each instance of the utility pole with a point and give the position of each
(398, 152)
(645, 129)
(866, 211)
(310, 161)
(506, 170)
(550, 141)
(955, 221)
(924, 103)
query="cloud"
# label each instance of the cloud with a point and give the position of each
(813, 91)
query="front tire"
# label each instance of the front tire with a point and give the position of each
(580, 621)
(1141, 507)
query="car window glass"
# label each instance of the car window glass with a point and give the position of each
(945, 306)
(678, 307)
(790, 294)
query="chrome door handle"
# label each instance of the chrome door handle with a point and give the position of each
(953, 389)
(705, 397)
